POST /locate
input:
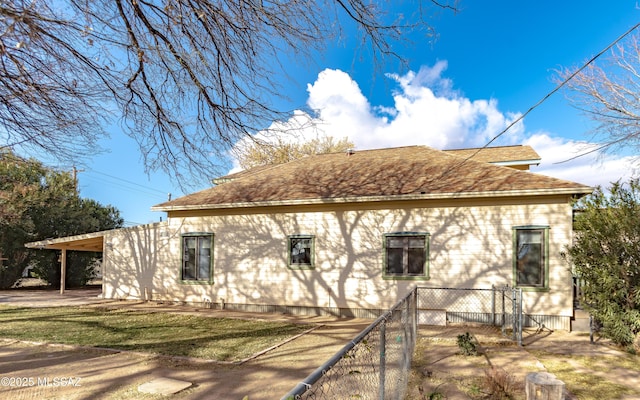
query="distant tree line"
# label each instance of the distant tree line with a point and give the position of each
(36, 203)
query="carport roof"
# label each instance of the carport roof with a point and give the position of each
(85, 242)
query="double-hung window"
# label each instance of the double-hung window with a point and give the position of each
(406, 255)
(301, 251)
(531, 257)
(197, 258)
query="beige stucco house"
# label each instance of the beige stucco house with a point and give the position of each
(352, 233)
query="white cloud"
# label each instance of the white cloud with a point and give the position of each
(430, 77)
(342, 108)
(579, 161)
(299, 127)
(427, 110)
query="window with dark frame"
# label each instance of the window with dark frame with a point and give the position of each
(406, 255)
(530, 257)
(300, 248)
(197, 252)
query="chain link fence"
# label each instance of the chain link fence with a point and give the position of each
(498, 306)
(376, 364)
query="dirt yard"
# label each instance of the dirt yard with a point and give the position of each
(41, 371)
(90, 374)
(590, 371)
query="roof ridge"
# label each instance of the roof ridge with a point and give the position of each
(266, 167)
(373, 174)
(488, 147)
(244, 173)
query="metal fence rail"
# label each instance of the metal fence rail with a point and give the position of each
(498, 306)
(374, 365)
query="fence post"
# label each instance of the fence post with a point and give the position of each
(414, 317)
(493, 305)
(520, 317)
(383, 366)
(514, 311)
(504, 310)
(407, 332)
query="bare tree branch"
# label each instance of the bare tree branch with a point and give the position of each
(609, 94)
(257, 152)
(187, 78)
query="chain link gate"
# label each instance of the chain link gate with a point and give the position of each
(376, 364)
(497, 306)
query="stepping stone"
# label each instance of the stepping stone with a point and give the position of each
(164, 386)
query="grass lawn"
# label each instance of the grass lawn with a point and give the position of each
(221, 339)
(585, 377)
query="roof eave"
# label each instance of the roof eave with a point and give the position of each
(86, 242)
(517, 162)
(93, 241)
(580, 191)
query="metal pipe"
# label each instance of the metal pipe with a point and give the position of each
(383, 361)
(321, 371)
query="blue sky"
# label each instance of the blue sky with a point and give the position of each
(491, 61)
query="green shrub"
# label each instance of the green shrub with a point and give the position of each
(467, 345)
(606, 257)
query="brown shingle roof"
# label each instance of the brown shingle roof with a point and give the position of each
(500, 154)
(388, 173)
(244, 172)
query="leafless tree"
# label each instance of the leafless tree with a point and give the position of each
(185, 78)
(608, 91)
(255, 153)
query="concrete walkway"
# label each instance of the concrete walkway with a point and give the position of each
(51, 298)
(118, 375)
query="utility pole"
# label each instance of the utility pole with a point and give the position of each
(75, 177)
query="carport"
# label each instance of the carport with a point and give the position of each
(85, 242)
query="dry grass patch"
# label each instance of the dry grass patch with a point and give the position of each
(221, 339)
(586, 377)
(441, 371)
(499, 384)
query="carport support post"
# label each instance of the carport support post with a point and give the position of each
(63, 269)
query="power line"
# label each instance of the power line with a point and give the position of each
(137, 186)
(593, 150)
(564, 82)
(125, 187)
(127, 181)
(131, 223)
